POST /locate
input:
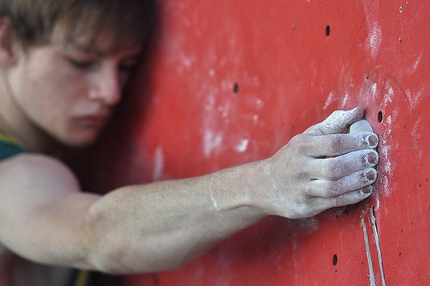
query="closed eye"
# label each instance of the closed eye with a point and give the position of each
(128, 65)
(80, 64)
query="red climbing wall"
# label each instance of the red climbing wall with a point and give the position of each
(233, 81)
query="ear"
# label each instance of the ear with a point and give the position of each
(6, 40)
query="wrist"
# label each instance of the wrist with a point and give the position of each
(242, 189)
(257, 183)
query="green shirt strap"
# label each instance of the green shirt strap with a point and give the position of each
(9, 147)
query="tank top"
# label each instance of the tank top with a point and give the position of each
(9, 147)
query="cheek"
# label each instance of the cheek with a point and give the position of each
(53, 93)
(49, 94)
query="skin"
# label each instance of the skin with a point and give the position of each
(77, 110)
(152, 227)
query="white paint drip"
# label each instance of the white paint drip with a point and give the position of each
(211, 141)
(243, 146)
(388, 97)
(413, 69)
(417, 62)
(374, 38)
(333, 98)
(183, 61)
(188, 61)
(212, 137)
(413, 100)
(345, 100)
(255, 119)
(224, 110)
(385, 150)
(415, 134)
(374, 89)
(329, 100)
(158, 164)
(387, 144)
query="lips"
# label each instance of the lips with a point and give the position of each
(93, 121)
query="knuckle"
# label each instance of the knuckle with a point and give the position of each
(335, 143)
(301, 171)
(300, 143)
(308, 191)
(333, 168)
(332, 189)
(340, 201)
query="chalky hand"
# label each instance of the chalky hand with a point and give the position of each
(323, 167)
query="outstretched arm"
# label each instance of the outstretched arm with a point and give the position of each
(163, 225)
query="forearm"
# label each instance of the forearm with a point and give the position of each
(163, 225)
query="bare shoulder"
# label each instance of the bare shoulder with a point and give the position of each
(34, 171)
(40, 195)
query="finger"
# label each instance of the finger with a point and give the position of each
(355, 181)
(350, 198)
(335, 168)
(338, 144)
(353, 197)
(337, 122)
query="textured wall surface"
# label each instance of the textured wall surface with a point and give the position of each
(233, 81)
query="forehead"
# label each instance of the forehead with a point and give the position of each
(100, 44)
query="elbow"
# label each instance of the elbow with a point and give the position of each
(119, 261)
(115, 258)
(107, 246)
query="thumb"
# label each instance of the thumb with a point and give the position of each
(337, 122)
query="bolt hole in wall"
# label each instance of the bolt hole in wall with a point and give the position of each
(236, 88)
(327, 31)
(335, 260)
(380, 116)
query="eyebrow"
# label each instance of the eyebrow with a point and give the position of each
(87, 49)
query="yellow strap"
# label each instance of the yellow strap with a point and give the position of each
(82, 277)
(10, 140)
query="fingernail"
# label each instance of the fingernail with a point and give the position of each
(372, 158)
(370, 175)
(372, 140)
(367, 190)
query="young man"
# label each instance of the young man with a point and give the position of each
(63, 66)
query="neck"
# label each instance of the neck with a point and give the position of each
(32, 140)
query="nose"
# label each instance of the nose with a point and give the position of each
(106, 85)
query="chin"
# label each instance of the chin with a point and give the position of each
(81, 140)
